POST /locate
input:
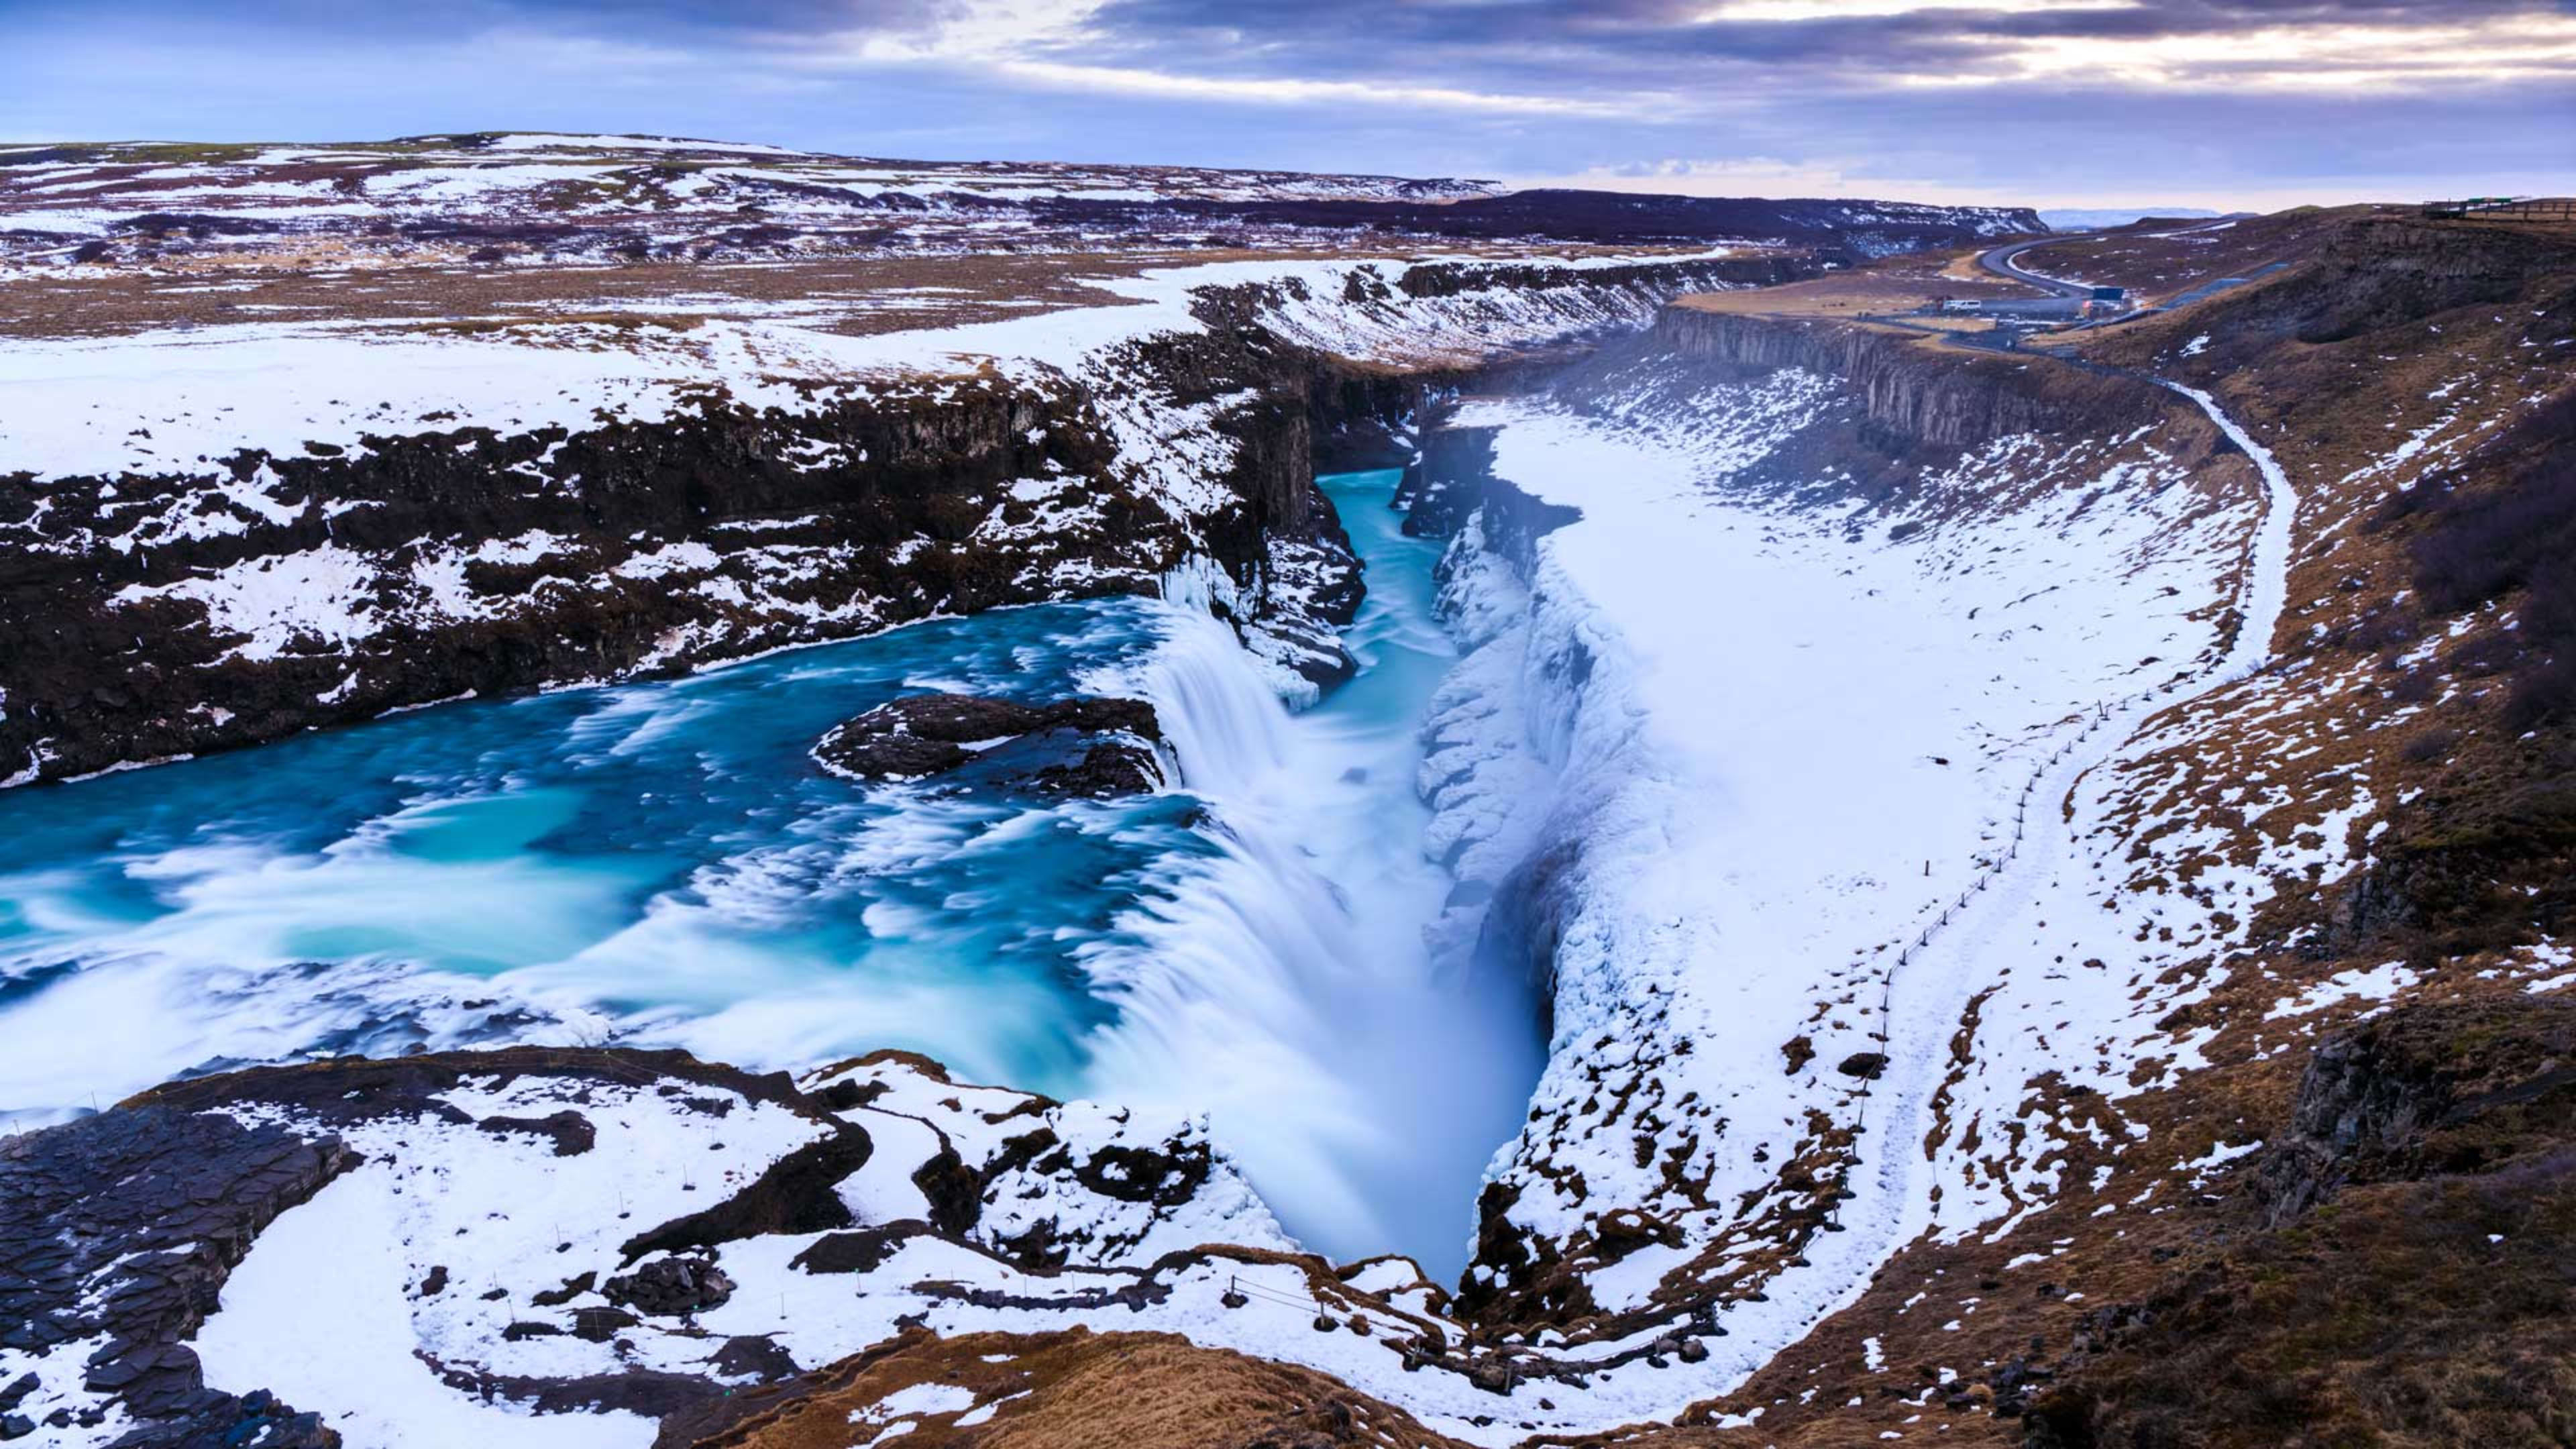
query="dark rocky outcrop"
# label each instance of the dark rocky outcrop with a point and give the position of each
(1455, 478)
(2421, 1091)
(347, 1090)
(571, 1132)
(756, 1357)
(121, 1228)
(797, 1194)
(2366, 273)
(2400, 1275)
(1088, 747)
(675, 1286)
(1161, 1179)
(862, 1251)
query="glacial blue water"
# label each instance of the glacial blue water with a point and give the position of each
(663, 864)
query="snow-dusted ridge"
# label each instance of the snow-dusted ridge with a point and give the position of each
(520, 200)
(509, 171)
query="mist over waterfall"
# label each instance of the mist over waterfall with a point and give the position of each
(1286, 984)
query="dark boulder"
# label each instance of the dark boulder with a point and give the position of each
(1093, 748)
(570, 1131)
(799, 1193)
(565, 1292)
(862, 1251)
(599, 1325)
(669, 1287)
(756, 1357)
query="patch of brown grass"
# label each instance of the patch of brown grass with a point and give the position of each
(1071, 1390)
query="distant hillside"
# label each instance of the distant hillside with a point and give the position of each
(509, 197)
(2086, 219)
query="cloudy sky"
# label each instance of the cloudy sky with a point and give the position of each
(2048, 102)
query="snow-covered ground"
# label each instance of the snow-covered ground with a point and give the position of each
(687, 181)
(342, 1307)
(1806, 784)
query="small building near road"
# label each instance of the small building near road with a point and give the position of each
(2036, 309)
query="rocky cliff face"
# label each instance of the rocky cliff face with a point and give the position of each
(477, 560)
(2362, 274)
(1911, 396)
(116, 1234)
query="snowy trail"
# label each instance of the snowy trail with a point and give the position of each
(1953, 956)
(2267, 590)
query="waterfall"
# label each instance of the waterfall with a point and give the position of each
(1227, 730)
(1279, 977)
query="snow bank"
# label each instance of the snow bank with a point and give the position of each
(1786, 784)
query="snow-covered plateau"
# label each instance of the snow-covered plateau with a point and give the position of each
(525, 202)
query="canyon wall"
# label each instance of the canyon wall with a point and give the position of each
(1913, 395)
(266, 589)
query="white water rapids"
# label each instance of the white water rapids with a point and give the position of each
(661, 864)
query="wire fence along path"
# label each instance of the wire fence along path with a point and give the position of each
(1989, 869)
(2233, 665)
(1423, 1343)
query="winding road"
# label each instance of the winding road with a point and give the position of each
(2001, 261)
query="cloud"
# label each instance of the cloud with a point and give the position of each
(2005, 100)
(1068, 45)
(1751, 176)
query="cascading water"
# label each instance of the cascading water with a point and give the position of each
(1287, 984)
(660, 864)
